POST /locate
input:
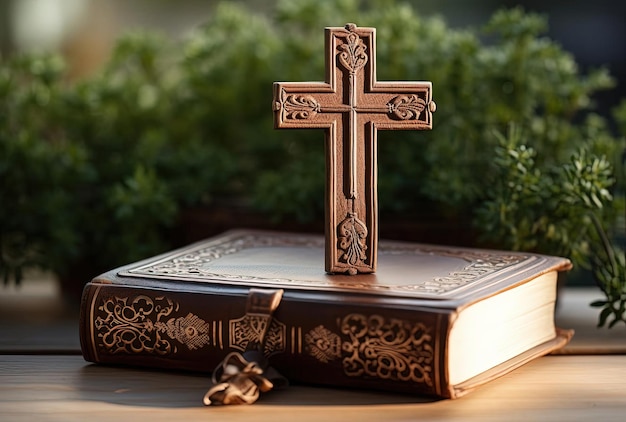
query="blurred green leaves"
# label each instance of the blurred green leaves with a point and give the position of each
(565, 209)
(99, 170)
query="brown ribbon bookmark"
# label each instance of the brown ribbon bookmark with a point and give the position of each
(241, 377)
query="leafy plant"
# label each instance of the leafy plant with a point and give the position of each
(38, 168)
(561, 209)
(610, 271)
(100, 170)
(82, 161)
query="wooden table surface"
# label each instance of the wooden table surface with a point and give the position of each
(43, 378)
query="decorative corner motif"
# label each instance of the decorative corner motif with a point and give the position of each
(351, 240)
(139, 326)
(249, 330)
(296, 106)
(378, 347)
(406, 107)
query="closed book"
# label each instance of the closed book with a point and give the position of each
(433, 320)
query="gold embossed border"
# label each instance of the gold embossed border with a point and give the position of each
(190, 264)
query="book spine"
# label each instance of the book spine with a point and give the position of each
(362, 344)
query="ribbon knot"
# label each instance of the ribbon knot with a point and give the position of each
(237, 381)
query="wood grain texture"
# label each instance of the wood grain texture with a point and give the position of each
(65, 388)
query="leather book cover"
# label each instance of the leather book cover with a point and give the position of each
(186, 310)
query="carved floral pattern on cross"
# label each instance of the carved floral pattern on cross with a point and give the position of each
(406, 107)
(352, 55)
(352, 106)
(297, 107)
(352, 236)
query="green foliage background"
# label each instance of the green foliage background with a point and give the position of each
(99, 170)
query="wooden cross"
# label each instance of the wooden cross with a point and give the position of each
(352, 106)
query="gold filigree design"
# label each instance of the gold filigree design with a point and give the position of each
(406, 107)
(481, 263)
(138, 325)
(323, 344)
(190, 330)
(251, 329)
(375, 346)
(352, 55)
(191, 262)
(352, 239)
(387, 348)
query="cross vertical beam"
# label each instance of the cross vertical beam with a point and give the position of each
(351, 106)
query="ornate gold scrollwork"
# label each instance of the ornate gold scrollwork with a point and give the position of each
(387, 348)
(379, 347)
(137, 325)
